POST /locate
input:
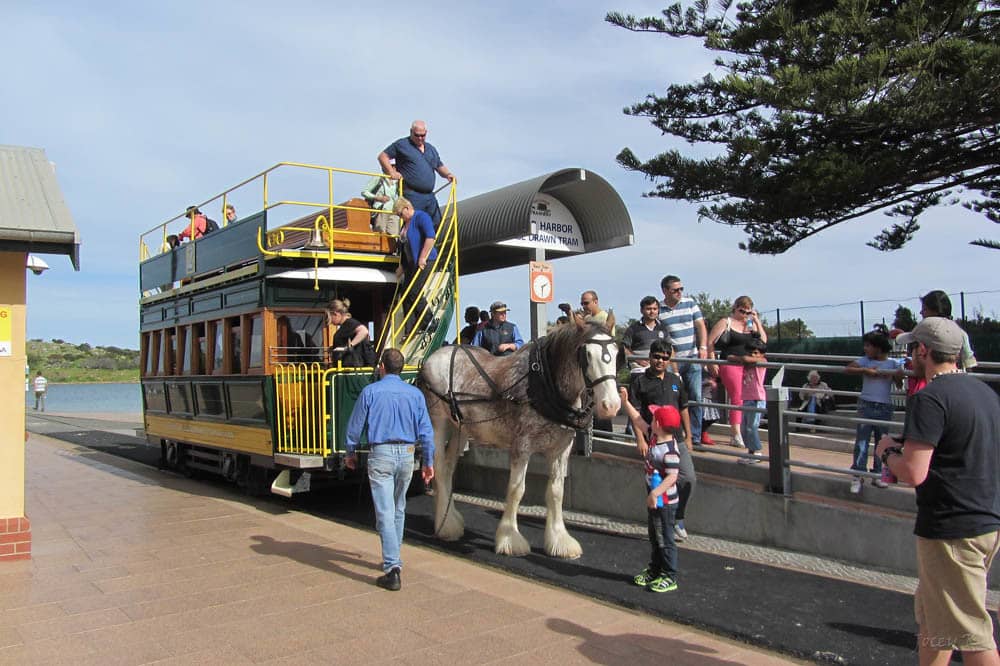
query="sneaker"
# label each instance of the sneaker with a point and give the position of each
(879, 483)
(645, 577)
(753, 459)
(706, 440)
(737, 441)
(390, 581)
(679, 532)
(856, 485)
(662, 584)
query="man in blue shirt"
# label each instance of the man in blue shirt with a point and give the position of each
(416, 163)
(499, 336)
(395, 416)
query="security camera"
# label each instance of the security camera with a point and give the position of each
(37, 264)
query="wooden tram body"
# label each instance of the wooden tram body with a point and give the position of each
(237, 377)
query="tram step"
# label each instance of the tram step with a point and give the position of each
(299, 461)
(283, 484)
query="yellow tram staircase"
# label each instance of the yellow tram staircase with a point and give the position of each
(313, 403)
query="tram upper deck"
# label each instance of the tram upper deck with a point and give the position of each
(297, 251)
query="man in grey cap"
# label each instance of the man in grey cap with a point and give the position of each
(499, 336)
(950, 452)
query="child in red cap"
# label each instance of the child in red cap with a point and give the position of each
(663, 460)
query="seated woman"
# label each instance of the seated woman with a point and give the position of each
(729, 337)
(351, 346)
(815, 396)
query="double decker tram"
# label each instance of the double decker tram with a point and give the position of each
(237, 373)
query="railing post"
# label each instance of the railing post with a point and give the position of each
(779, 474)
(862, 304)
(583, 442)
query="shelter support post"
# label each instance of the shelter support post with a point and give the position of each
(539, 311)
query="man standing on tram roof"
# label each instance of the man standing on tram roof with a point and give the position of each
(499, 336)
(394, 414)
(416, 163)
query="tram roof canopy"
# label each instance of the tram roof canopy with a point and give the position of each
(34, 216)
(504, 214)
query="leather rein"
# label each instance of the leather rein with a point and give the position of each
(542, 393)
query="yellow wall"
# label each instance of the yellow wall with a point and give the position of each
(12, 296)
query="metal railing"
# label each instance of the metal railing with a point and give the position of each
(780, 421)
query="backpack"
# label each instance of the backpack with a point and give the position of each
(210, 225)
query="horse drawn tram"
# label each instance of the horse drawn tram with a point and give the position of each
(238, 374)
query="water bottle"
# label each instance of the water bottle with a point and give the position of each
(656, 480)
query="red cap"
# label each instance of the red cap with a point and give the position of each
(666, 416)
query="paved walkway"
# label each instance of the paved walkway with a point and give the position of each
(132, 566)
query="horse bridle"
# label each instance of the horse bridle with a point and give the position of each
(606, 356)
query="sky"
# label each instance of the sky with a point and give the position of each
(145, 108)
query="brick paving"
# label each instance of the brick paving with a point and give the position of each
(131, 566)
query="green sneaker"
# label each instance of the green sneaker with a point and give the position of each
(644, 578)
(662, 584)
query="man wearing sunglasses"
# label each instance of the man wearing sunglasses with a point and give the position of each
(416, 162)
(690, 338)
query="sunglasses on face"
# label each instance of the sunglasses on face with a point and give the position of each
(659, 357)
(676, 290)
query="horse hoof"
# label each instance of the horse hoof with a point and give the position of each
(514, 545)
(565, 547)
(452, 528)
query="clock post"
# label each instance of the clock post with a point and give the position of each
(541, 288)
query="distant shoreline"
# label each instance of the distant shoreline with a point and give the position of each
(97, 382)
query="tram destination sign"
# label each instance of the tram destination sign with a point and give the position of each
(553, 227)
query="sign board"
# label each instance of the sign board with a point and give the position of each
(540, 281)
(6, 345)
(553, 227)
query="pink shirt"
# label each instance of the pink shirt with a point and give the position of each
(753, 382)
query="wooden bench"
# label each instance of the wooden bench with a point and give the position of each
(352, 230)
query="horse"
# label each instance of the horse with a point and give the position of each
(531, 401)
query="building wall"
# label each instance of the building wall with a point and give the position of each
(15, 535)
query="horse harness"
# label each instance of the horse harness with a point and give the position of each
(542, 392)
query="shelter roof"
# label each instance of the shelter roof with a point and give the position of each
(34, 216)
(505, 214)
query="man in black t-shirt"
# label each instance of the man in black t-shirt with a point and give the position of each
(950, 453)
(658, 386)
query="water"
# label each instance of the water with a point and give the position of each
(90, 398)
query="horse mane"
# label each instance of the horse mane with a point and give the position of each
(560, 347)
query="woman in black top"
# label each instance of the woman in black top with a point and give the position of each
(350, 334)
(729, 338)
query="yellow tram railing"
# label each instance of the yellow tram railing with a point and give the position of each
(303, 416)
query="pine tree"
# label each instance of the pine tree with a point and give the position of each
(827, 110)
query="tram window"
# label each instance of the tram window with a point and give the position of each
(155, 397)
(302, 337)
(169, 352)
(209, 399)
(144, 354)
(180, 398)
(234, 353)
(256, 337)
(246, 401)
(198, 349)
(218, 347)
(154, 353)
(183, 353)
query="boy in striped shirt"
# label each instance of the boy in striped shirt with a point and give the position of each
(663, 458)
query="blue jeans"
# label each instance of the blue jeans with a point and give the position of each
(390, 468)
(750, 426)
(663, 555)
(869, 410)
(691, 373)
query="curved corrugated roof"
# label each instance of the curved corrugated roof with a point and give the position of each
(504, 214)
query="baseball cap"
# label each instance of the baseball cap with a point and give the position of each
(937, 333)
(498, 306)
(666, 416)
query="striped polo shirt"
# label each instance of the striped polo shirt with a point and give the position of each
(680, 320)
(664, 458)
